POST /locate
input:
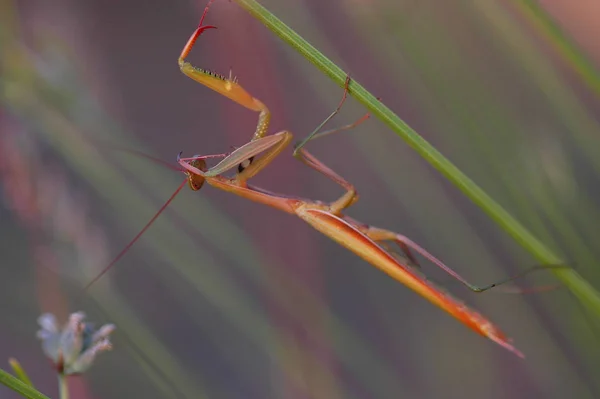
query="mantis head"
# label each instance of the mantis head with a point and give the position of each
(196, 181)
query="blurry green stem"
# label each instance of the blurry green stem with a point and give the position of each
(581, 288)
(542, 21)
(19, 386)
(63, 386)
(20, 371)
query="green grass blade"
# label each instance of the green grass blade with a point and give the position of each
(19, 371)
(542, 21)
(18, 386)
(580, 287)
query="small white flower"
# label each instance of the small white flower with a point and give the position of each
(73, 349)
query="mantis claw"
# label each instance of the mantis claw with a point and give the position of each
(205, 27)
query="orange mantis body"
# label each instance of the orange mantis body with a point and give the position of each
(365, 241)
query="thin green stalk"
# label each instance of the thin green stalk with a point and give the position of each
(63, 386)
(580, 288)
(19, 371)
(564, 45)
(20, 387)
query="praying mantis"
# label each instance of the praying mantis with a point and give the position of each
(368, 242)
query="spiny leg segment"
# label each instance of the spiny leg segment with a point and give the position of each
(227, 87)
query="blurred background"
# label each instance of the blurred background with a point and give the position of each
(224, 298)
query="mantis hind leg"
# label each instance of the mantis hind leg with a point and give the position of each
(407, 246)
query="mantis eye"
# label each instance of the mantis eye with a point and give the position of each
(195, 182)
(243, 165)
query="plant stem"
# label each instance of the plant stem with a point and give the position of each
(19, 386)
(565, 46)
(579, 286)
(19, 371)
(63, 386)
